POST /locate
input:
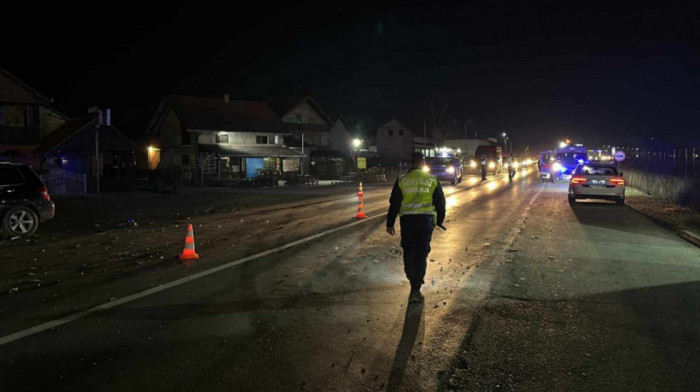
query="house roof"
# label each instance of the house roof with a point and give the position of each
(198, 113)
(250, 151)
(74, 126)
(64, 132)
(283, 105)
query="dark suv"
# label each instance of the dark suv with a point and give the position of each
(24, 200)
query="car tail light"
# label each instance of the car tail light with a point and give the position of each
(578, 180)
(44, 192)
(617, 181)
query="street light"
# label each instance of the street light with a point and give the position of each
(356, 143)
(562, 144)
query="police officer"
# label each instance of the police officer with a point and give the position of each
(483, 167)
(511, 169)
(418, 199)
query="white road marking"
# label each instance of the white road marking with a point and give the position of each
(153, 290)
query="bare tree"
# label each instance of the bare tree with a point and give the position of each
(438, 123)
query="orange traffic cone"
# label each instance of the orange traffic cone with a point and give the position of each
(188, 252)
(361, 207)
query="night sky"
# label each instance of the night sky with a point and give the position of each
(596, 72)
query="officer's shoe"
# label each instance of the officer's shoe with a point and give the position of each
(415, 296)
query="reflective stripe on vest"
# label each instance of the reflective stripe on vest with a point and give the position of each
(417, 188)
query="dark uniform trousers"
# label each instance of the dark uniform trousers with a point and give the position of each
(416, 233)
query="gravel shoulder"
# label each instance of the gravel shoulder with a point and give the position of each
(676, 217)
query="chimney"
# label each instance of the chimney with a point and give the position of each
(226, 98)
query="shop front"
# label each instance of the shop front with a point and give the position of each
(248, 162)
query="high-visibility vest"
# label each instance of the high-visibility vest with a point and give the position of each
(417, 188)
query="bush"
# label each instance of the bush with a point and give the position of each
(665, 187)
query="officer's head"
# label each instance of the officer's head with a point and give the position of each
(417, 159)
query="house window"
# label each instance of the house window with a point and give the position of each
(261, 139)
(185, 159)
(400, 132)
(391, 132)
(222, 138)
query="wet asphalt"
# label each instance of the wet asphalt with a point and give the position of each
(523, 292)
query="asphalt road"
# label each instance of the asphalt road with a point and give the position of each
(523, 292)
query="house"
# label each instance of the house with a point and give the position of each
(26, 117)
(72, 148)
(395, 142)
(217, 137)
(326, 143)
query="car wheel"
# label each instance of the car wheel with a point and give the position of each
(620, 201)
(572, 200)
(454, 181)
(20, 221)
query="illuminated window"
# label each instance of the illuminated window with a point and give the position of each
(222, 138)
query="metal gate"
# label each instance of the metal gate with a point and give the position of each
(65, 183)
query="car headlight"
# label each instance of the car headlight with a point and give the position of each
(451, 169)
(556, 166)
(492, 165)
(472, 164)
(516, 165)
(426, 168)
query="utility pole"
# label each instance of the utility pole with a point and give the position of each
(465, 136)
(425, 139)
(97, 154)
(100, 122)
(301, 169)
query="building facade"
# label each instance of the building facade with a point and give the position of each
(395, 142)
(26, 117)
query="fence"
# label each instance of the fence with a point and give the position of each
(65, 183)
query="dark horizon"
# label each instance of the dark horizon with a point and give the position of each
(597, 73)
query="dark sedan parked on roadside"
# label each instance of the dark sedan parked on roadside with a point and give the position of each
(24, 200)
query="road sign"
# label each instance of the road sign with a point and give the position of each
(619, 156)
(362, 163)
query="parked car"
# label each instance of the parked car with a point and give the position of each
(24, 200)
(597, 181)
(445, 168)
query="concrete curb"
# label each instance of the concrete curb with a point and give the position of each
(690, 237)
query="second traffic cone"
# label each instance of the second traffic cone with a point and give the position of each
(188, 253)
(361, 207)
